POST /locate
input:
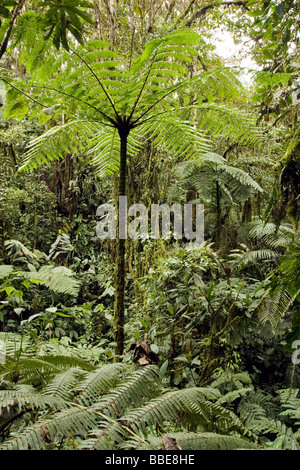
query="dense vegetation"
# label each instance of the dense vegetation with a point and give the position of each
(146, 343)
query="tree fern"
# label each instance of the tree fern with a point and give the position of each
(140, 103)
(211, 167)
(269, 234)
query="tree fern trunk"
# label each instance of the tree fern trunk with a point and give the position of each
(120, 271)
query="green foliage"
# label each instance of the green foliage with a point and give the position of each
(47, 19)
(118, 406)
(67, 16)
(85, 405)
(221, 323)
(131, 96)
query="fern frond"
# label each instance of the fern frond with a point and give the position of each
(140, 386)
(72, 137)
(274, 308)
(244, 257)
(269, 233)
(220, 120)
(256, 409)
(230, 397)
(27, 369)
(16, 400)
(290, 398)
(57, 278)
(211, 441)
(63, 384)
(231, 380)
(243, 178)
(168, 407)
(15, 344)
(70, 421)
(64, 361)
(176, 137)
(38, 368)
(5, 270)
(97, 383)
(108, 436)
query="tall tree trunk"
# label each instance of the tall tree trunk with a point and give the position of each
(132, 29)
(120, 270)
(15, 13)
(218, 216)
(97, 17)
(151, 16)
(111, 15)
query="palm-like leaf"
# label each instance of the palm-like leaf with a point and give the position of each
(96, 75)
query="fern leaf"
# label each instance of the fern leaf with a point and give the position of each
(5, 270)
(15, 400)
(63, 384)
(64, 423)
(142, 384)
(53, 144)
(98, 382)
(59, 279)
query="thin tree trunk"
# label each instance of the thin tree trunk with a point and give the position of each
(218, 221)
(111, 16)
(151, 16)
(132, 30)
(97, 17)
(120, 270)
(16, 11)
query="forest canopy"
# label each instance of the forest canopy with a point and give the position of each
(149, 225)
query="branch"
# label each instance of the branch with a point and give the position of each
(186, 11)
(200, 13)
(154, 116)
(11, 420)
